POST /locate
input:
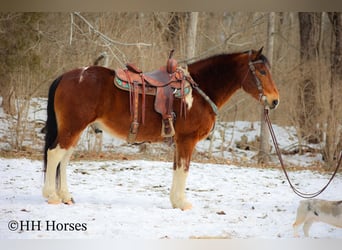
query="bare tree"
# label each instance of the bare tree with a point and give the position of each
(333, 144)
(36, 47)
(172, 33)
(309, 24)
(264, 148)
(18, 39)
(191, 35)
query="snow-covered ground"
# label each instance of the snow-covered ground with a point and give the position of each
(129, 199)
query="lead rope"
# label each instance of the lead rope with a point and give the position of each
(296, 191)
(195, 86)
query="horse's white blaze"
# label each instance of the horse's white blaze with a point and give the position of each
(177, 195)
(54, 156)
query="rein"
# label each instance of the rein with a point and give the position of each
(296, 191)
(211, 103)
(251, 68)
(204, 95)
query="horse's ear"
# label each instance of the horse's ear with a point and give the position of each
(259, 53)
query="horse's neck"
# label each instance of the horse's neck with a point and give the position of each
(219, 82)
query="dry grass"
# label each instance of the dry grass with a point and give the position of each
(167, 157)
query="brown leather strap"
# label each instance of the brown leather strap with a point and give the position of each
(135, 102)
(135, 124)
(183, 102)
(295, 190)
(130, 91)
(133, 105)
(143, 98)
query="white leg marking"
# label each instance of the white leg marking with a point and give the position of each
(63, 191)
(177, 195)
(54, 156)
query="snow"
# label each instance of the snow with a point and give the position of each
(129, 199)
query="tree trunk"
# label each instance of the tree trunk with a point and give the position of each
(309, 24)
(172, 34)
(264, 148)
(333, 144)
(8, 100)
(191, 35)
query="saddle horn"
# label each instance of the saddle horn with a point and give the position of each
(171, 53)
(171, 64)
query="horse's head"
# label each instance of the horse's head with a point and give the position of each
(258, 80)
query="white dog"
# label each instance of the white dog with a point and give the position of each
(316, 210)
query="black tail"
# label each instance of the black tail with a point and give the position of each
(51, 122)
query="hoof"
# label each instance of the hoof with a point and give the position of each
(53, 198)
(69, 202)
(183, 205)
(54, 202)
(186, 206)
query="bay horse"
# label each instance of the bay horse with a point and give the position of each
(87, 96)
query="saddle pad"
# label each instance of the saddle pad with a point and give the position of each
(150, 90)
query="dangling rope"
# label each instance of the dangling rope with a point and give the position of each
(296, 191)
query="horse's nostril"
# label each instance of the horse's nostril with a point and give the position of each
(275, 103)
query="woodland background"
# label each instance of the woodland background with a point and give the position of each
(305, 50)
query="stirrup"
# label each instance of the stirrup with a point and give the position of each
(167, 127)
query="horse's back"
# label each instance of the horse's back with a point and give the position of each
(84, 83)
(87, 77)
(80, 92)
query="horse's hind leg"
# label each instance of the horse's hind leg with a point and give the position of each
(63, 191)
(54, 157)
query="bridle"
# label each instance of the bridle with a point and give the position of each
(251, 68)
(256, 78)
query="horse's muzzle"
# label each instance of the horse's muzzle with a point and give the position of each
(274, 103)
(270, 103)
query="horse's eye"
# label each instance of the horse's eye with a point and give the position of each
(263, 72)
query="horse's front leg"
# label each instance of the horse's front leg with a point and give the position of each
(180, 173)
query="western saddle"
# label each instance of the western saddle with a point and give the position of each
(164, 84)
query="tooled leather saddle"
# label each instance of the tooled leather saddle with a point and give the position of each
(165, 83)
